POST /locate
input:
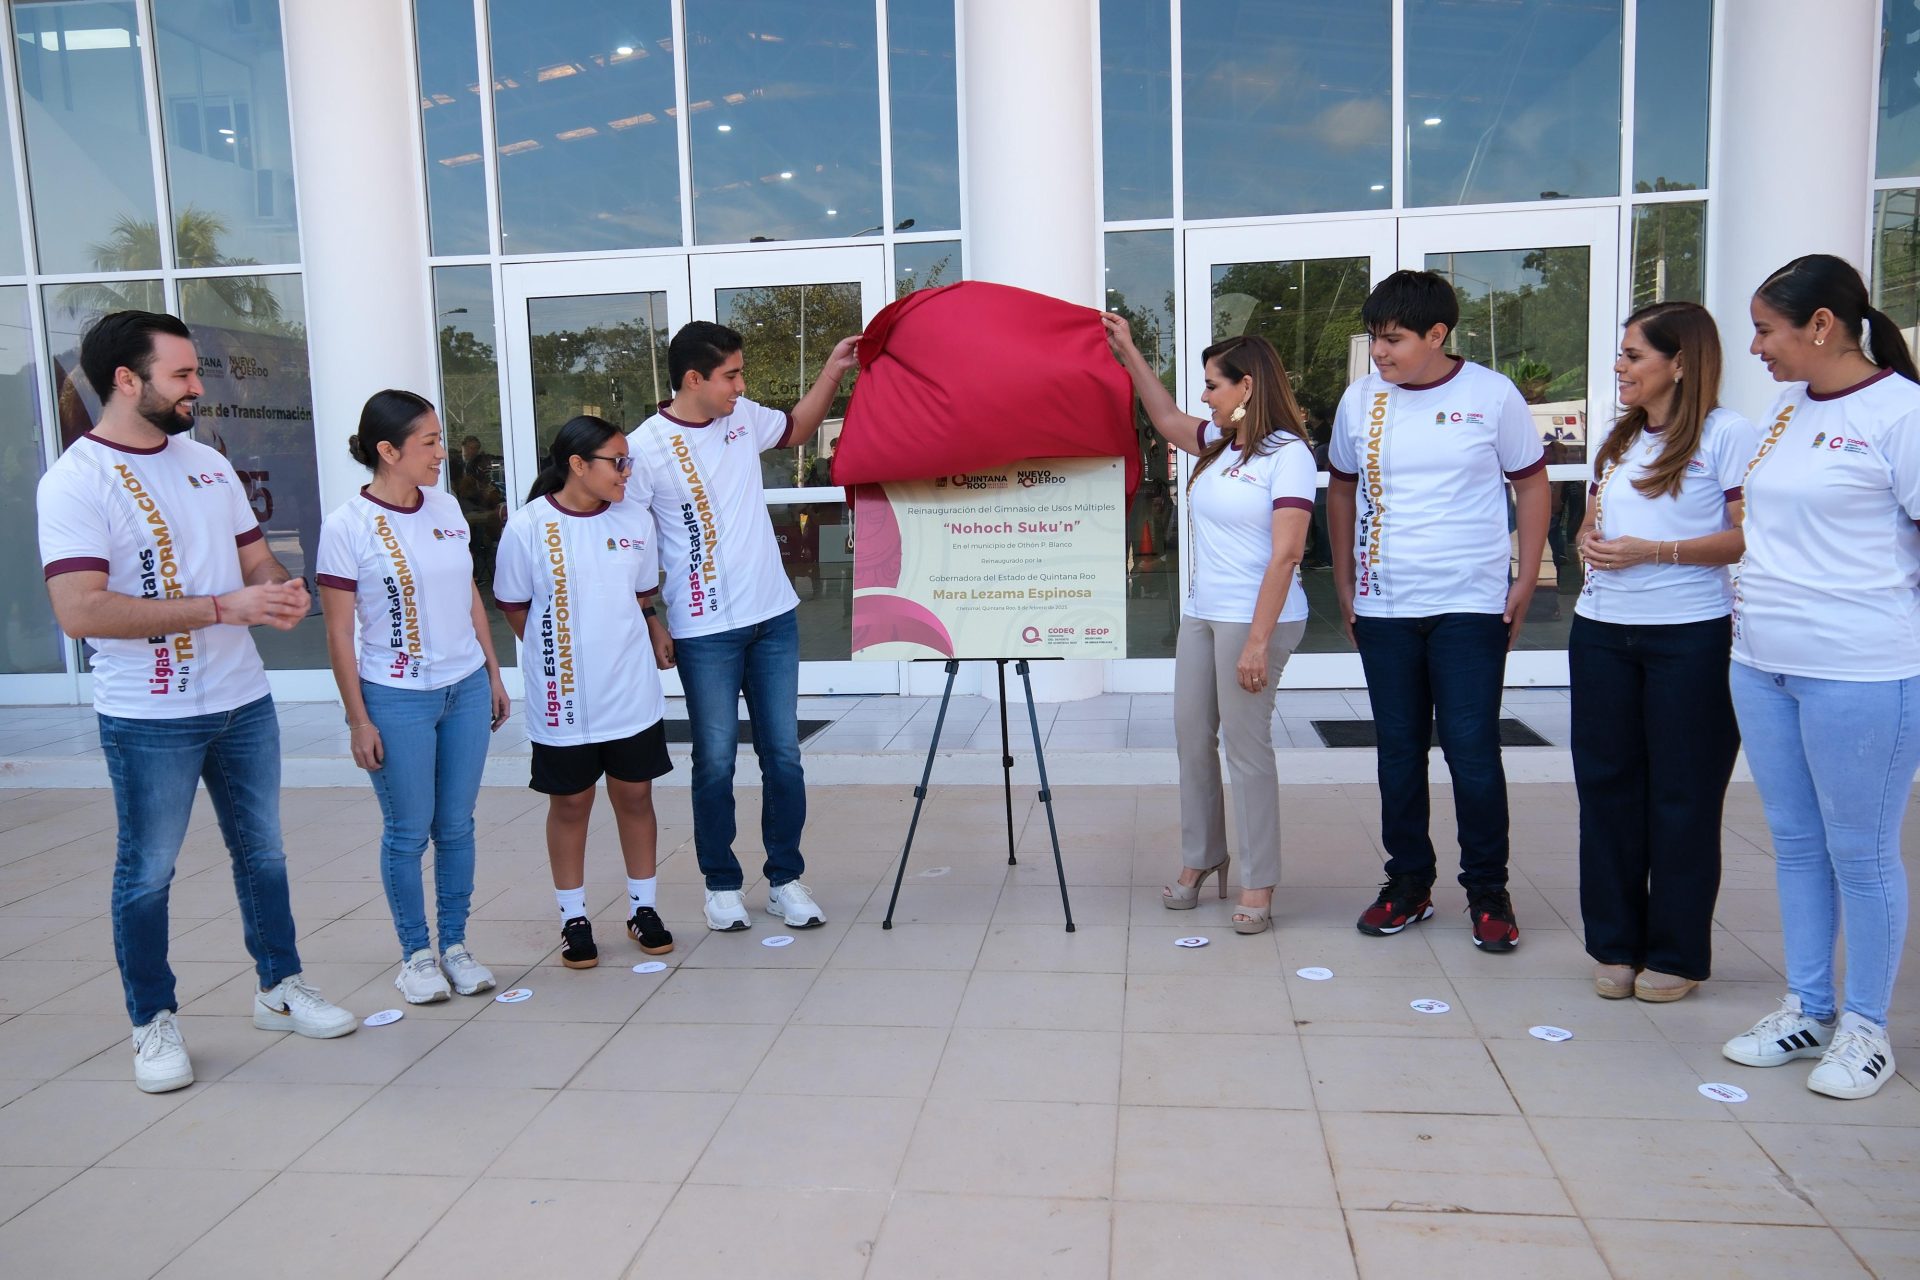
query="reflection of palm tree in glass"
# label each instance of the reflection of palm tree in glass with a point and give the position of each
(134, 244)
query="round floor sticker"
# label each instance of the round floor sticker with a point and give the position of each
(1550, 1033)
(1189, 942)
(650, 966)
(1430, 1006)
(514, 996)
(1723, 1092)
(1313, 973)
(778, 940)
(383, 1017)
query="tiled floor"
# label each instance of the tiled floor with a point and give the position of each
(976, 1093)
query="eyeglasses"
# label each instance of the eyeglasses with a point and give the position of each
(622, 463)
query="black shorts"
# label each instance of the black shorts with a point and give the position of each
(566, 771)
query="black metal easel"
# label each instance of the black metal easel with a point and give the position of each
(1006, 770)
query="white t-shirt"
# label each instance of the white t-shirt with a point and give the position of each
(411, 575)
(1830, 586)
(722, 564)
(1654, 594)
(586, 659)
(1430, 526)
(163, 524)
(1230, 510)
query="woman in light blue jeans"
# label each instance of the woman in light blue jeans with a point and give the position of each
(419, 680)
(1826, 661)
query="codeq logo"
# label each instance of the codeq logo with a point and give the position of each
(203, 479)
(977, 482)
(1031, 635)
(1031, 479)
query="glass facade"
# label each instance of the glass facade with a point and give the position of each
(30, 641)
(1136, 108)
(1140, 276)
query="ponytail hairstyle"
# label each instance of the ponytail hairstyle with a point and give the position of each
(387, 418)
(1271, 407)
(1818, 280)
(579, 437)
(1686, 332)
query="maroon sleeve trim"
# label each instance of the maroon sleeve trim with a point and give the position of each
(75, 564)
(1337, 474)
(1539, 464)
(786, 436)
(650, 591)
(248, 538)
(337, 583)
(513, 606)
(1293, 504)
(1593, 489)
(1736, 494)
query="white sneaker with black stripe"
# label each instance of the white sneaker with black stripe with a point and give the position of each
(1857, 1063)
(1780, 1037)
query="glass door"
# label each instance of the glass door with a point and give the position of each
(791, 306)
(1539, 295)
(581, 337)
(1301, 287)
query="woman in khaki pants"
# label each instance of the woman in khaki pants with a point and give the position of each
(1248, 506)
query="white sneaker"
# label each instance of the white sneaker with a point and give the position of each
(1857, 1063)
(295, 1006)
(1781, 1036)
(420, 979)
(468, 976)
(793, 904)
(727, 910)
(160, 1062)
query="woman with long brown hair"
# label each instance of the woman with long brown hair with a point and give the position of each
(1248, 504)
(1654, 737)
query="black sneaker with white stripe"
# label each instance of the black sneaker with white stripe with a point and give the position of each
(1780, 1037)
(1857, 1063)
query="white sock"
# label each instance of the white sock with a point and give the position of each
(640, 893)
(573, 902)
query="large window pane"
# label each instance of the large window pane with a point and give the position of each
(1512, 100)
(29, 638)
(71, 311)
(223, 94)
(814, 545)
(450, 125)
(1287, 106)
(470, 415)
(1898, 146)
(603, 354)
(1672, 55)
(83, 95)
(925, 265)
(787, 332)
(13, 252)
(1896, 259)
(583, 102)
(922, 79)
(1136, 108)
(1669, 253)
(257, 410)
(1140, 286)
(784, 108)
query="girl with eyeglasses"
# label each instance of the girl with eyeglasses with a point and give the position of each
(421, 685)
(575, 569)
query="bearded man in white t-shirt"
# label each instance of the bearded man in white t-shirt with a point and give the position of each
(732, 624)
(1422, 452)
(152, 555)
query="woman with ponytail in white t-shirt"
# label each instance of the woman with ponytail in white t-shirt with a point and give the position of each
(1248, 504)
(1654, 737)
(1826, 660)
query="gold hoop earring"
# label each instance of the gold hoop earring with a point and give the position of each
(1819, 342)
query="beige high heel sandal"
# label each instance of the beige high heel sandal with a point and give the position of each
(1185, 897)
(1258, 919)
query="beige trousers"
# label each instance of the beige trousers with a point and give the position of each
(1210, 710)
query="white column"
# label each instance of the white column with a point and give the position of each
(1031, 148)
(363, 222)
(1794, 168)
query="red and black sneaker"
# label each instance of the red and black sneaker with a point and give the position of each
(1403, 900)
(1491, 911)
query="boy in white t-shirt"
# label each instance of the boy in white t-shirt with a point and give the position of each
(152, 554)
(732, 626)
(1421, 455)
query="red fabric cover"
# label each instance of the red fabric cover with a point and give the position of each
(974, 376)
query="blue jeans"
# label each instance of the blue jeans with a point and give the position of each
(763, 662)
(154, 766)
(1834, 760)
(1428, 676)
(436, 745)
